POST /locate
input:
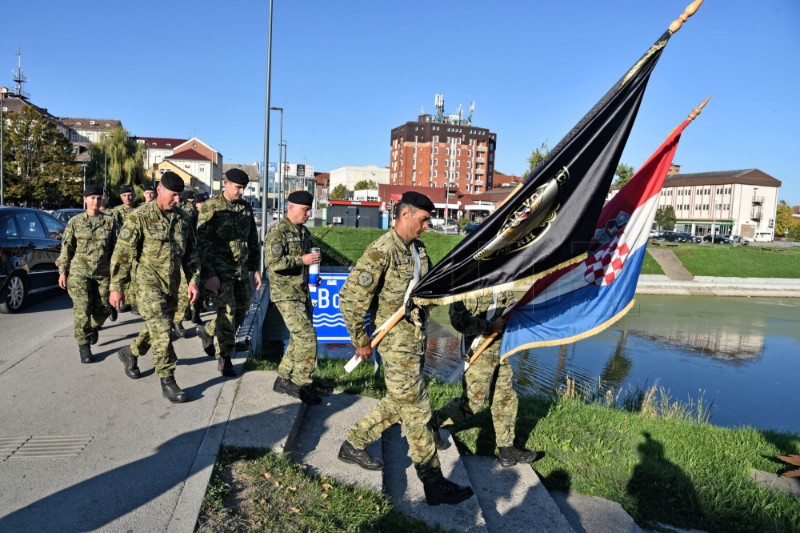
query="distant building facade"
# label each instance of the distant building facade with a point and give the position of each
(733, 202)
(351, 174)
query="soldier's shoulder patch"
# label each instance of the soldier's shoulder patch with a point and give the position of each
(125, 233)
(365, 279)
(376, 255)
(277, 249)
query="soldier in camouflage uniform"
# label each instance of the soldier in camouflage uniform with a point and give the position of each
(120, 213)
(480, 316)
(160, 236)
(187, 205)
(228, 260)
(84, 268)
(379, 283)
(149, 194)
(287, 254)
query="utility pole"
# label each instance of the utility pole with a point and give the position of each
(265, 173)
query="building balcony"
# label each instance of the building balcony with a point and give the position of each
(479, 171)
(480, 160)
(481, 149)
(755, 213)
(477, 183)
(758, 200)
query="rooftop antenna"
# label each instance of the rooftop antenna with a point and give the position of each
(18, 77)
(471, 111)
(438, 101)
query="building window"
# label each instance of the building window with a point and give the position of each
(467, 187)
(435, 173)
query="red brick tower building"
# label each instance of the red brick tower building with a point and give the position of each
(443, 151)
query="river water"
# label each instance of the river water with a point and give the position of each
(740, 356)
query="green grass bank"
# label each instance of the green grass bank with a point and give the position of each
(343, 246)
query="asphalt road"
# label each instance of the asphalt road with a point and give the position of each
(115, 455)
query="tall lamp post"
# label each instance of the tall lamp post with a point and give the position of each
(265, 173)
(284, 145)
(2, 156)
(280, 166)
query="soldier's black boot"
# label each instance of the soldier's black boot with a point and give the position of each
(95, 336)
(445, 491)
(441, 444)
(179, 330)
(134, 310)
(112, 316)
(171, 391)
(207, 340)
(196, 317)
(225, 366)
(86, 353)
(130, 361)
(350, 454)
(509, 456)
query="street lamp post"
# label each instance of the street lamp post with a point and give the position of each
(265, 173)
(2, 156)
(280, 167)
(283, 181)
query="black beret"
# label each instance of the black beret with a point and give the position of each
(237, 176)
(93, 190)
(172, 182)
(150, 188)
(187, 195)
(418, 200)
(126, 188)
(301, 198)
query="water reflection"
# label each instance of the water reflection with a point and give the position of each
(741, 354)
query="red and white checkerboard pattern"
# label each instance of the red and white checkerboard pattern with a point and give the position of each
(604, 265)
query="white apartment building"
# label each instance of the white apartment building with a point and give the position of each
(350, 175)
(732, 202)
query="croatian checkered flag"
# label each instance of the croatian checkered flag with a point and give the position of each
(597, 288)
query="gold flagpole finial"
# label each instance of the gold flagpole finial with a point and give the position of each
(688, 12)
(697, 110)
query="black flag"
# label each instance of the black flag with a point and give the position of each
(550, 220)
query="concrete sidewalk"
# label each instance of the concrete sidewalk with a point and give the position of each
(86, 448)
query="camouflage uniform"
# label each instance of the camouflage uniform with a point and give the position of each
(85, 258)
(163, 242)
(183, 296)
(120, 214)
(378, 283)
(288, 289)
(230, 252)
(487, 375)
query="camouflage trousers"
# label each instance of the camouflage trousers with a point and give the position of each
(485, 378)
(90, 304)
(157, 309)
(406, 401)
(231, 303)
(300, 358)
(183, 301)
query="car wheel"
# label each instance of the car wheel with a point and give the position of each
(13, 294)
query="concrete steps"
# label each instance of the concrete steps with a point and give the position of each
(506, 499)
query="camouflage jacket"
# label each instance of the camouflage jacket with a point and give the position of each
(162, 242)
(190, 210)
(87, 245)
(469, 316)
(378, 283)
(121, 213)
(283, 255)
(228, 239)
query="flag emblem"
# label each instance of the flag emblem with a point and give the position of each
(605, 264)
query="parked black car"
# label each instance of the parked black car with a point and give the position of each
(718, 239)
(63, 215)
(472, 226)
(30, 242)
(679, 236)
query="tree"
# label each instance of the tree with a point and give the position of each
(537, 156)
(783, 218)
(338, 192)
(120, 157)
(665, 217)
(624, 173)
(39, 167)
(365, 185)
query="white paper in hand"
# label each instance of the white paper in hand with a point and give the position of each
(352, 364)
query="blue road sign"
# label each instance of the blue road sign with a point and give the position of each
(328, 321)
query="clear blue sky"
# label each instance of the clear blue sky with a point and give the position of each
(347, 72)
